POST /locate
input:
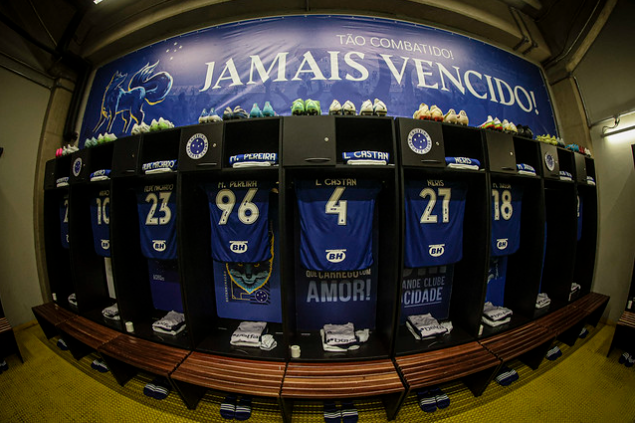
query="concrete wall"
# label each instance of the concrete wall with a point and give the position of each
(616, 238)
(23, 106)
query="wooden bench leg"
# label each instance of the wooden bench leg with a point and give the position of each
(571, 335)
(594, 318)
(77, 348)
(47, 327)
(190, 394)
(286, 405)
(623, 338)
(477, 382)
(122, 372)
(392, 404)
(534, 357)
(9, 345)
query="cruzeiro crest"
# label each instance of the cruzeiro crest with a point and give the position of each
(196, 146)
(419, 141)
(77, 166)
(250, 277)
(550, 161)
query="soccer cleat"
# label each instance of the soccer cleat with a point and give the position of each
(488, 124)
(4, 366)
(335, 108)
(505, 125)
(268, 111)
(255, 111)
(423, 113)
(99, 365)
(512, 128)
(297, 107)
(450, 117)
(366, 109)
(312, 107)
(240, 113)
(379, 108)
(228, 114)
(436, 114)
(528, 132)
(203, 117)
(498, 126)
(213, 116)
(630, 361)
(583, 333)
(62, 345)
(462, 118)
(348, 108)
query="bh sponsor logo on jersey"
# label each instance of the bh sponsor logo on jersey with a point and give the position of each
(502, 243)
(419, 141)
(436, 250)
(336, 256)
(159, 245)
(238, 247)
(77, 166)
(550, 161)
(105, 244)
(196, 146)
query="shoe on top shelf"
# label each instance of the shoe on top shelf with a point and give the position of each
(348, 108)
(450, 117)
(462, 118)
(335, 108)
(436, 113)
(228, 114)
(423, 113)
(366, 109)
(240, 113)
(267, 110)
(297, 107)
(312, 107)
(379, 108)
(255, 111)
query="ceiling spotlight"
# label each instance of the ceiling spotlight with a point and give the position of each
(97, 1)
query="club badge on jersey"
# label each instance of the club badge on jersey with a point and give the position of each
(100, 222)
(506, 207)
(156, 206)
(239, 217)
(434, 212)
(336, 220)
(64, 222)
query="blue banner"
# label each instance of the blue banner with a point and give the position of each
(426, 290)
(320, 57)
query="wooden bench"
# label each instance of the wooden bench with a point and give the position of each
(324, 381)
(84, 336)
(624, 336)
(126, 354)
(50, 316)
(529, 343)
(565, 323)
(201, 371)
(8, 343)
(471, 363)
(593, 305)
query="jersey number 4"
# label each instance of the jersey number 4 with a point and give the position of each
(336, 206)
(248, 212)
(152, 218)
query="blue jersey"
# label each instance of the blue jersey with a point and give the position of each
(434, 213)
(496, 276)
(336, 220)
(506, 206)
(156, 205)
(64, 221)
(239, 217)
(100, 221)
(580, 208)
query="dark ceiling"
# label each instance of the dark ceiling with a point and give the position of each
(62, 38)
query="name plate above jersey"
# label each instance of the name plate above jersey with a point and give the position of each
(308, 141)
(421, 143)
(200, 147)
(125, 156)
(501, 152)
(549, 160)
(580, 167)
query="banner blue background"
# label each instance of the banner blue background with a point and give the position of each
(319, 57)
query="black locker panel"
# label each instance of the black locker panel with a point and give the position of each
(500, 151)
(126, 156)
(309, 141)
(580, 167)
(201, 147)
(421, 142)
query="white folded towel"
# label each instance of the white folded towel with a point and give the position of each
(111, 312)
(495, 313)
(542, 300)
(171, 324)
(495, 323)
(426, 325)
(338, 335)
(248, 334)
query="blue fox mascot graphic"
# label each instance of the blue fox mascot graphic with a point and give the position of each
(143, 86)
